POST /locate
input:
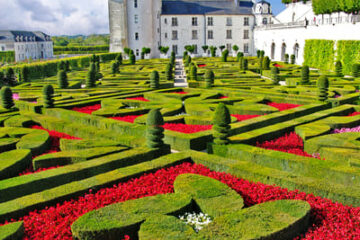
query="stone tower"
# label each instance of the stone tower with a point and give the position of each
(135, 24)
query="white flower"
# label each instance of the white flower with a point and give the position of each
(196, 221)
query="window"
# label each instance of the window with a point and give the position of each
(174, 35)
(210, 21)
(265, 21)
(228, 34)
(165, 20)
(165, 35)
(246, 21)
(210, 34)
(136, 18)
(174, 21)
(2, 48)
(175, 49)
(195, 49)
(135, 3)
(228, 21)
(246, 34)
(137, 52)
(228, 46)
(136, 36)
(246, 48)
(194, 34)
(194, 21)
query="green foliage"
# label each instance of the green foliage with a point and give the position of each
(187, 60)
(6, 98)
(205, 48)
(348, 53)
(323, 86)
(222, 47)
(164, 50)
(319, 54)
(213, 51)
(169, 71)
(91, 76)
(293, 58)
(48, 96)
(262, 53)
(83, 42)
(244, 64)
(172, 58)
(339, 69)
(266, 63)
(224, 55)
(239, 56)
(24, 74)
(154, 129)
(119, 59)
(185, 54)
(190, 48)
(154, 80)
(286, 58)
(115, 68)
(132, 59)
(193, 73)
(356, 70)
(80, 49)
(209, 78)
(221, 121)
(275, 75)
(12, 231)
(258, 52)
(61, 66)
(7, 56)
(305, 74)
(10, 75)
(62, 79)
(235, 48)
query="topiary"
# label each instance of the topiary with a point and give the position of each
(245, 64)
(119, 59)
(239, 56)
(293, 59)
(48, 96)
(221, 121)
(67, 66)
(262, 53)
(266, 63)
(356, 70)
(91, 77)
(213, 51)
(115, 68)
(62, 79)
(10, 75)
(305, 74)
(61, 66)
(24, 74)
(187, 60)
(323, 85)
(224, 55)
(275, 75)
(338, 69)
(209, 78)
(154, 80)
(154, 129)
(169, 72)
(193, 73)
(286, 58)
(132, 59)
(185, 54)
(7, 101)
(258, 52)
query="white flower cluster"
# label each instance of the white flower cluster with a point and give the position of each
(196, 221)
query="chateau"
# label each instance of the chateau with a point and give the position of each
(248, 24)
(35, 45)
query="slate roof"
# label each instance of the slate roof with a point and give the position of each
(17, 36)
(200, 7)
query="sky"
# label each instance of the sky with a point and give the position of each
(63, 17)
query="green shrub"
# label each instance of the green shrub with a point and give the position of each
(132, 59)
(258, 52)
(262, 53)
(187, 60)
(48, 96)
(221, 121)
(213, 51)
(323, 86)
(293, 58)
(239, 56)
(319, 54)
(10, 75)
(62, 79)
(169, 71)
(61, 66)
(305, 74)
(356, 70)
(154, 129)
(119, 59)
(275, 75)
(6, 98)
(115, 68)
(24, 74)
(209, 78)
(286, 58)
(154, 80)
(185, 54)
(224, 55)
(244, 64)
(67, 66)
(91, 77)
(235, 48)
(338, 69)
(266, 63)
(193, 73)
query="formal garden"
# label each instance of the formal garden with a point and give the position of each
(105, 147)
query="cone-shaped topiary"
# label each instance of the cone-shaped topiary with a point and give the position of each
(154, 80)
(187, 61)
(221, 121)
(292, 58)
(24, 74)
(323, 85)
(305, 75)
(62, 79)
(224, 55)
(193, 73)
(91, 77)
(286, 58)
(115, 68)
(239, 56)
(184, 55)
(275, 75)
(154, 129)
(119, 59)
(10, 75)
(169, 71)
(338, 69)
(262, 53)
(48, 96)
(258, 52)
(266, 63)
(132, 59)
(245, 64)
(356, 70)
(209, 78)
(6, 98)
(61, 66)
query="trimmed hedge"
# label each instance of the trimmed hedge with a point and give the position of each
(319, 54)
(12, 231)
(347, 53)
(13, 162)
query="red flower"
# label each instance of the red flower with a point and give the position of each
(87, 109)
(201, 65)
(184, 128)
(278, 65)
(244, 117)
(181, 92)
(354, 114)
(139, 99)
(283, 106)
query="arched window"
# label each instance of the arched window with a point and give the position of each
(273, 51)
(265, 21)
(296, 50)
(283, 52)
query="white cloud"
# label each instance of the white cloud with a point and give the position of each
(55, 17)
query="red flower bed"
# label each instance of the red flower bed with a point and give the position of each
(354, 114)
(290, 143)
(180, 92)
(223, 97)
(282, 106)
(139, 99)
(244, 117)
(184, 128)
(30, 170)
(129, 118)
(278, 65)
(87, 109)
(329, 220)
(201, 65)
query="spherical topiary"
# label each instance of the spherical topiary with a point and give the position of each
(25, 74)
(154, 80)
(209, 78)
(305, 74)
(224, 55)
(154, 129)
(7, 98)
(132, 59)
(169, 71)
(293, 58)
(119, 59)
(221, 121)
(62, 79)
(275, 75)
(193, 73)
(356, 70)
(338, 69)
(266, 63)
(48, 96)
(91, 77)
(323, 85)
(115, 68)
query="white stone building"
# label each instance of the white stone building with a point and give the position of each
(177, 23)
(290, 29)
(34, 45)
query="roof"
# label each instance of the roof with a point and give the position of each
(197, 7)
(23, 36)
(264, 2)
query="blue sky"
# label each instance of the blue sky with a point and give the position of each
(64, 17)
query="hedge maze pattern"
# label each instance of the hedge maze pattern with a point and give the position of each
(90, 141)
